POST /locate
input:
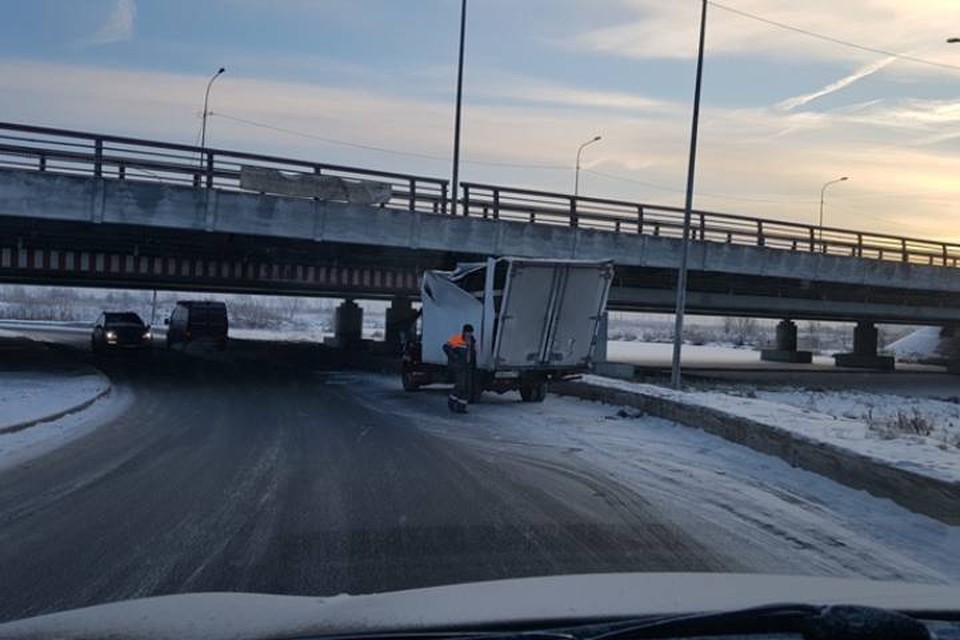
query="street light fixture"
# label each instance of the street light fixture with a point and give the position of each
(953, 40)
(206, 101)
(687, 212)
(576, 179)
(822, 192)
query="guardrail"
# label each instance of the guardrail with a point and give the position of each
(124, 158)
(617, 216)
(92, 154)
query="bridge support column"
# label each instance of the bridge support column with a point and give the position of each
(785, 346)
(864, 356)
(401, 317)
(348, 325)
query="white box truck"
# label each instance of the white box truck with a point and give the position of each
(534, 320)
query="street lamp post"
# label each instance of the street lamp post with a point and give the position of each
(454, 188)
(206, 101)
(823, 190)
(687, 212)
(576, 177)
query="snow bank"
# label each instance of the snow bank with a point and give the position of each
(935, 456)
(30, 396)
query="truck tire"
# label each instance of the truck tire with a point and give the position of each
(409, 383)
(533, 391)
(539, 392)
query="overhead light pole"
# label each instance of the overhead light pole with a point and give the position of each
(576, 177)
(823, 191)
(454, 187)
(675, 378)
(206, 101)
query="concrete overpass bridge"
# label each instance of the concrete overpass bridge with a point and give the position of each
(88, 209)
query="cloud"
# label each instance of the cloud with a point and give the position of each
(746, 154)
(655, 29)
(534, 91)
(865, 71)
(118, 26)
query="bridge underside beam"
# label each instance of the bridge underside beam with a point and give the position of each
(760, 306)
(37, 251)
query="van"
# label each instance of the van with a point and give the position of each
(200, 322)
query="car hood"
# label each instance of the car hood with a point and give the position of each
(555, 599)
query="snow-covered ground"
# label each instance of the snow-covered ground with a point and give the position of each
(288, 335)
(760, 511)
(303, 334)
(660, 354)
(43, 437)
(903, 420)
(27, 395)
(842, 419)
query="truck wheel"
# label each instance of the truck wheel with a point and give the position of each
(409, 384)
(540, 392)
(526, 392)
(533, 392)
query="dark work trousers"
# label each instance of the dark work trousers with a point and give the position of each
(461, 370)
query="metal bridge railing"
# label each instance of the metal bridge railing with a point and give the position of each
(91, 154)
(117, 157)
(541, 207)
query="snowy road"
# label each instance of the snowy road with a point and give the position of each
(242, 474)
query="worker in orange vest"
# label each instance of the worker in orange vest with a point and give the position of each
(461, 353)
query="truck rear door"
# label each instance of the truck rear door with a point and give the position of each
(549, 313)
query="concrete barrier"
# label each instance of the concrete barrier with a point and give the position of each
(923, 494)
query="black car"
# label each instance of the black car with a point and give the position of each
(198, 321)
(124, 331)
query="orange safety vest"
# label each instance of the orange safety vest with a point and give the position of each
(457, 342)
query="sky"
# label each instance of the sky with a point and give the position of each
(371, 83)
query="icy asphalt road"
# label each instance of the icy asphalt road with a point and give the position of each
(266, 470)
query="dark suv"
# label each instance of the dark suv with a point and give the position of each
(201, 322)
(120, 332)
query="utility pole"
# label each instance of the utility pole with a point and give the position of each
(675, 378)
(455, 186)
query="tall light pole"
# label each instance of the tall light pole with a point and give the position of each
(823, 190)
(206, 101)
(454, 188)
(576, 177)
(687, 212)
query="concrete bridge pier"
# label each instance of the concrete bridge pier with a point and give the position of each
(785, 346)
(401, 320)
(864, 356)
(348, 325)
